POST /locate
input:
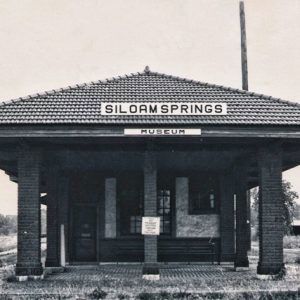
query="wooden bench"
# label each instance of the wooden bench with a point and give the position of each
(129, 250)
(189, 251)
(202, 249)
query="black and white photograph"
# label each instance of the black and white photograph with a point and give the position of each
(150, 149)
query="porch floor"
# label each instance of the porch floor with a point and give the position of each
(124, 281)
(134, 271)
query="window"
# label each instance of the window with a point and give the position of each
(130, 197)
(164, 210)
(135, 224)
(203, 194)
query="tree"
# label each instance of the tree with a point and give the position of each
(289, 201)
(8, 224)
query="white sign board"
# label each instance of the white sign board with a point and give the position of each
(163, 108)
(162, 131)
(150, 225)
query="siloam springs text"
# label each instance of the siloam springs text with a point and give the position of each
(163, 108)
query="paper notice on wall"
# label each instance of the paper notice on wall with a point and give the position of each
(150, 225)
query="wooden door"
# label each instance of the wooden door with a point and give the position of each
(85, 237)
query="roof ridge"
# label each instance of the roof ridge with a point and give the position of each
(226, 88)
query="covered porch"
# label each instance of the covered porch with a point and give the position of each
(96, 195)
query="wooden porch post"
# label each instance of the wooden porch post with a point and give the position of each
(63, 207)
(150, 210)
(227, 217)
(53, 253)
(241, 259)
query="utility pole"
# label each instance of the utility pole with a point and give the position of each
(244, 63)
(243, 47)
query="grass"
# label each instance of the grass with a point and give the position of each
(234, 284)
(291, 242)
(8, 242)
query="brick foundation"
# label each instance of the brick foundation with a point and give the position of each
(270, 210)
(29, 218)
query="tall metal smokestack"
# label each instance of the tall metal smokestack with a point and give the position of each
(243, 47)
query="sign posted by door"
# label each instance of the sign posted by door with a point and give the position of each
(150, 225)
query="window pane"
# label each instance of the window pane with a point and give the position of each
(132, 227)
(166, 218)
(167, 227)
(167, 202)
(161, 202)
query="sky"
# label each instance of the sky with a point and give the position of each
(51, 44)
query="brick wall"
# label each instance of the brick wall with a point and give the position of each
(270, 210)
(192, 225)
(29, 218)
(110, 207)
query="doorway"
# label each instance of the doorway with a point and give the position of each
(84, 233)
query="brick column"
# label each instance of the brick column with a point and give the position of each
(270, 210)
(52, 258)
(150, 210)
(227, 217)
(29, 214)
(241, 259)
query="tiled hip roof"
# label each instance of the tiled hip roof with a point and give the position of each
(81, 104)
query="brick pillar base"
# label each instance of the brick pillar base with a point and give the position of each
(241, 260)
(29, 218)
(270, 210)
(150, 210)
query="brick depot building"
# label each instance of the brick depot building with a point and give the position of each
(98, 182)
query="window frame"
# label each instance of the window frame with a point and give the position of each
(162, 217)
(192, 210)
(135, 177)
